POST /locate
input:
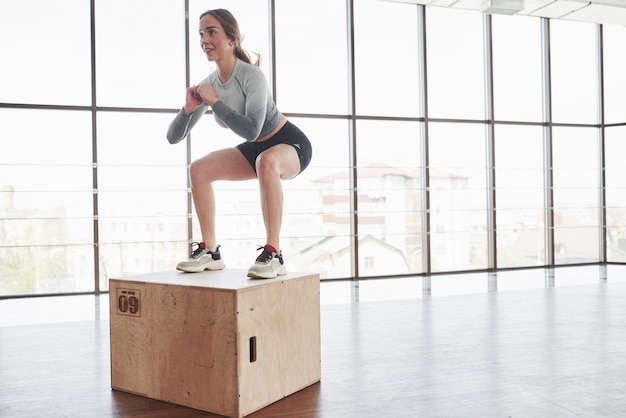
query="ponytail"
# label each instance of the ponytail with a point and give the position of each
(243, 55)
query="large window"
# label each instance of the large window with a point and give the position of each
(575, 168)
(458, 220)
(614, 70)
(385, 54)
(141, 194)
(140, 53)
(615, 142)
(574, 76)
(311, 56)
(45, 52)
(455, 64)
(517, 68)
(389, 197)
(520, 218)
(434, 151)
(616, 193)
(46, 226)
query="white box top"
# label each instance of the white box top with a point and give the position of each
(227, 279)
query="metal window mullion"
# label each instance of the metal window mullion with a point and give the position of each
(490, 144)
(94, 152)
(188, 142)
(272, 48)
(352, 175)
(601, 146)
(547, 143)
(424, 140)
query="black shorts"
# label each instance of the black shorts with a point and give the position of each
(289, 134)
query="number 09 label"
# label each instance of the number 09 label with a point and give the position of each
(129, 302)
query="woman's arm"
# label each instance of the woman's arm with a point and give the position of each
(187, 117)
(183, 123)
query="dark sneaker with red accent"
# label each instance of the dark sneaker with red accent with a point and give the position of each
(268, 265)
(201, 259)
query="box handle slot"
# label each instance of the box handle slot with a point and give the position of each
(252, 349)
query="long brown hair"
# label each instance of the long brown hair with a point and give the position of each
(231, 28)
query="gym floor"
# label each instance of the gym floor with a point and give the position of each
(525, 343)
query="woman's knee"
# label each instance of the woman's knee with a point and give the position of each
(281, 160)
(266, 164)
(199, 171)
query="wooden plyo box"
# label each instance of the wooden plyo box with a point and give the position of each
(215, 341)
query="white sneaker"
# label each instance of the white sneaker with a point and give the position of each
(268, 265)
(201, 259)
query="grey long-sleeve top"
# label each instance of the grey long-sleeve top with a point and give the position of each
(245, 106)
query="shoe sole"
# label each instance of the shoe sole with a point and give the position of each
(255, 275)
(220, 266)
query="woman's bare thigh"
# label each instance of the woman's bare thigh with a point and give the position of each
(224, 164)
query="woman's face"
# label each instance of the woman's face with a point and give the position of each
(213, 39)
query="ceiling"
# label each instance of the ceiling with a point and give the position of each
(611, 12)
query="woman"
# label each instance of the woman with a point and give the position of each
(274, 149)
